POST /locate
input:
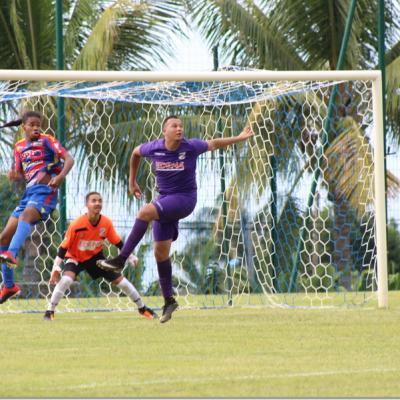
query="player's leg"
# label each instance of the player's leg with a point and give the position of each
(161, 251)
(36, 205)
(71, 270)
(117, 279)
(27, 219)
(130, 291)
(145, 215)
(5, 255)
(9, 288)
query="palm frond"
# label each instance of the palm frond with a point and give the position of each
(19, 35)
(245, 34)
(349, 170)
(82, 17)
(99, 45)
(393, 98)
(11, 57)
(145, 34)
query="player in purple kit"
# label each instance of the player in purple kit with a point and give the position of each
(174, 164)
(38, 160)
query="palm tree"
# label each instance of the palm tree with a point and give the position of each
(98, 35)
(104, 35)
(302, 35)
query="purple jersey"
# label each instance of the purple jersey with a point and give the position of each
(175, 170)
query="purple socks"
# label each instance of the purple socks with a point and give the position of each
(137, 232)
(165, 274)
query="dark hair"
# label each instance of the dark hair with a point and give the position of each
(167, 119)
(19, 121)
(90, 194)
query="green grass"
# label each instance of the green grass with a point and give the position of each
(237, 352)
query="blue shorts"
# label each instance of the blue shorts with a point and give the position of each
(171, 208)
(41, 197)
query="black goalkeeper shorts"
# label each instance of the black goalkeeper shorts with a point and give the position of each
(91, 268)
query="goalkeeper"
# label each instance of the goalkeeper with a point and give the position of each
(174, 162)
(82, 247)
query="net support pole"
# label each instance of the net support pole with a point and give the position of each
(327, 125)
(221, 159)
(382, 258)
(274, 219)
(380, 193)
(60, 109)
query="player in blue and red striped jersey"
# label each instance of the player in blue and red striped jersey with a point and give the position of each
(43, 163)
(174, 163)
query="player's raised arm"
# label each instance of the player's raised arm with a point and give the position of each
(133, 170)
(214, 144)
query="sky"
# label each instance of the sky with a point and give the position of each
(191, 54)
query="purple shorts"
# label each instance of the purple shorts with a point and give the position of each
(171, 208)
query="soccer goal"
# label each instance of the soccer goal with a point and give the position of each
(293, 218)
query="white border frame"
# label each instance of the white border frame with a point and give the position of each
(152, 76)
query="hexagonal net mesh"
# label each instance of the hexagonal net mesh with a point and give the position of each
(286, 219)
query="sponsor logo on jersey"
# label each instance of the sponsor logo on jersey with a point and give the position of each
(182, 155)
(156, 153)
(170, 166)
(102, 232)
(89, 244)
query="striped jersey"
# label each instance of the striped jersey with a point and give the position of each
(34, 158)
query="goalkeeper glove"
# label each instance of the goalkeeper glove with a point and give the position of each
(133, 260)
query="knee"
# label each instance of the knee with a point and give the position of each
(30, 215)
(117, 280)
(161, 255)
(4, 239)
(147, 213)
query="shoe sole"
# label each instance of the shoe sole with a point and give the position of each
(166, 317)
(107, 267)
(10, 297)
(149, 316)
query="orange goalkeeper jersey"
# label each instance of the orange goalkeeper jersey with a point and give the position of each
(83, 240)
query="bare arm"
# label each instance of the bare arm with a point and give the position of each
(56, 181)
(133, 170)
(14, 175)
(223, 142)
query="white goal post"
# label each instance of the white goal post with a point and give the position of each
(319, 243)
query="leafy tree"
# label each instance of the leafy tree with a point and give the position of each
(302, 35)
(393, 247)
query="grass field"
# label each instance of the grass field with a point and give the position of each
(236, 352)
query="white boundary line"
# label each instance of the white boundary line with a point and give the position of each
(236, 378)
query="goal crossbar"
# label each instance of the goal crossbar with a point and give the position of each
(154, 76)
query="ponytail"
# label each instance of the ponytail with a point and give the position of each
(15, 122)
(19, 121)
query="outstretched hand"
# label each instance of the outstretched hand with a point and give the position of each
(246, 133)
(54, 278)
(135, 190)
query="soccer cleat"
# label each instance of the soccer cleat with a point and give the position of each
(7, 293)
(114, 265)
(48, 315)
(147, 312)
(169, 307)
(8, 258)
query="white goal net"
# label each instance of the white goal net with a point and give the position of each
(290, 218)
